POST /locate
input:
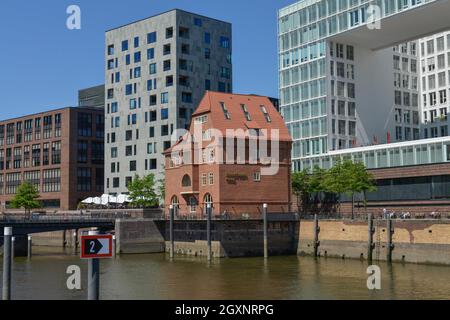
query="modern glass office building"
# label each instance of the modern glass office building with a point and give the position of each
(349, 76)
(401, 154)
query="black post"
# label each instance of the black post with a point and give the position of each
(208, 230)
(7, 263)
(266, 242)
(114, 246)
(370, 238)
(75, 241)
(30, 244)
(316, 235)
(64, 241)
(13, 253)
(93, 275)
(390, 232)
(171, 233)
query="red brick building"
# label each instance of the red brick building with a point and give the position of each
(60, 152)
(236, 156)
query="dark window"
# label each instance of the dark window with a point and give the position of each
(99, 179)
(186, 97)
(82, 154)
(198, 22)
(128, 151)
(99, 126)
(166, 145)
(184, 32)
(128, 135)
(56, 152)
(125, 45)
(169, 33)
(48, 127)
(46, 154)
(133, 165)
(153, 164)
(84, 178)
(84, 125)
(151, 37)
(164, 130)
(98, 151)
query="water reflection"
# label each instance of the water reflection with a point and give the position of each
(156, 277)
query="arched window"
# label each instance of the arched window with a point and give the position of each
(193, 204)
(186, 182)
(207, 199)
(174, 201)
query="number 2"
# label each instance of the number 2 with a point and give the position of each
(92, 246)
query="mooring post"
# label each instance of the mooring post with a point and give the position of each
(75, 241)
(265, 225)
(208, 230)
(171, 238)
(93, 275)
(30, 244)
(316, 235)
(370, 245)
(64, 240)
(390, 245)
(13, 254)
(114, 246)
(7, 249)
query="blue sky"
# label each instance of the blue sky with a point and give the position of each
(43, 64)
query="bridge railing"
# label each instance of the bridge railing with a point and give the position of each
(52, 218)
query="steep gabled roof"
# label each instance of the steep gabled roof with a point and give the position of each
(212, 104)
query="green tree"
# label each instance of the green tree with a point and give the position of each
(316, 186)
(26, 197)
(301, 187)
(336, 181)
(161, 189)
(142, 192)
(362, 181)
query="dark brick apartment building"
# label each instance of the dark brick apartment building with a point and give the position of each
(237, 188)
(61, 152)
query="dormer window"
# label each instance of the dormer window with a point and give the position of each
(246, 113)
(201, 120)
(225, 111)
(266, 114)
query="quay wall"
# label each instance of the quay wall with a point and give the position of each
(234, 238)
(415, 241)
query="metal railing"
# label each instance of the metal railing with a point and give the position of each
(52, 219)
(232, 217)
(392, 215)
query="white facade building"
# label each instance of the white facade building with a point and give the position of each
(435, 77)
(349, 72)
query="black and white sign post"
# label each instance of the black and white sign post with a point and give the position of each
(93, 247)
(7, 248)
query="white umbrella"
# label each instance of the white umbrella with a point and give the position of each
(105, 199)
(88, 201)
(123, 198)
(97, 201)
(112, 199)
